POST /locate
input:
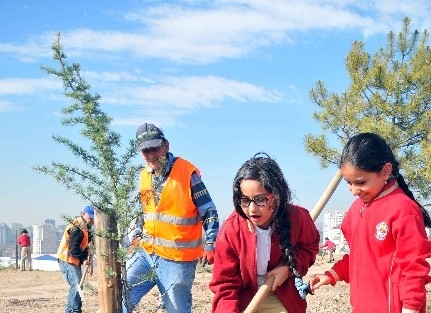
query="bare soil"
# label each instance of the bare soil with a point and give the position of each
(46, 292)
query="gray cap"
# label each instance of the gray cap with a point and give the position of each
(149, 136)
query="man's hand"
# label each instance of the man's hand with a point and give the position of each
(134, 244)
(207, 257)
(88, 263)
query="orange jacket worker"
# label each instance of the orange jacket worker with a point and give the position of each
(175, 206)
(73, 252)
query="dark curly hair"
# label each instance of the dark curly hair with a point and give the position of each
(370, 152)
(265, 170)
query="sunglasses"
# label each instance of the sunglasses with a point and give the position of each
(152, 149)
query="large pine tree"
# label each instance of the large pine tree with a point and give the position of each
(389, 94)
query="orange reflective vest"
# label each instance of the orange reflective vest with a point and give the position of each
(173, 228)
(63, 252)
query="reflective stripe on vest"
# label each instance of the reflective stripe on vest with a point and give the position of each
(173, 229)
(171, 219)
(63, 252)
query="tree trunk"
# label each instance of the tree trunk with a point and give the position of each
(108, 269)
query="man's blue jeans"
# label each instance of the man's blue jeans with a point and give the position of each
(174, 280)
(73, 275)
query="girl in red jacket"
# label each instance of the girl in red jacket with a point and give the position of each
(264, 236)
(385, 229)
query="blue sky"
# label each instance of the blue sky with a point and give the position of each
(223, 79)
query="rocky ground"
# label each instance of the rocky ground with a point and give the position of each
(46, 292)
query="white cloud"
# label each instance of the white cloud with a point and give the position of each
(36, 47)
(20, 86)
(187, 93)
(200, 32)
(116, 76)
(168, 97)
(204, 32)
(7, 106)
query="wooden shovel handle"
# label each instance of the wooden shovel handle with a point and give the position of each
(260, 295)
(83, 275)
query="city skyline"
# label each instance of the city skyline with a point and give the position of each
(58, 222)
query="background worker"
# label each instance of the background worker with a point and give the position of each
(25, 243)
(176, 205)
(73, 252)
(329, 246)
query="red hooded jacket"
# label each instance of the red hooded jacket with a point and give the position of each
(387, 267)
(234, 280)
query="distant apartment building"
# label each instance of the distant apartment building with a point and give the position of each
(331, 227)
(44, 239)
(50, 221)
(60, 230)
(5, 234)
(16, 229)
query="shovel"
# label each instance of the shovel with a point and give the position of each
(260, 295)
(81, 293)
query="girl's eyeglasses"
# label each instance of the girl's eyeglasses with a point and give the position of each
(259, 201)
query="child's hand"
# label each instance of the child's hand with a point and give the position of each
(319, 280)
(280, 274)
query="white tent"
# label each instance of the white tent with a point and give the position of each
(45, 262)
